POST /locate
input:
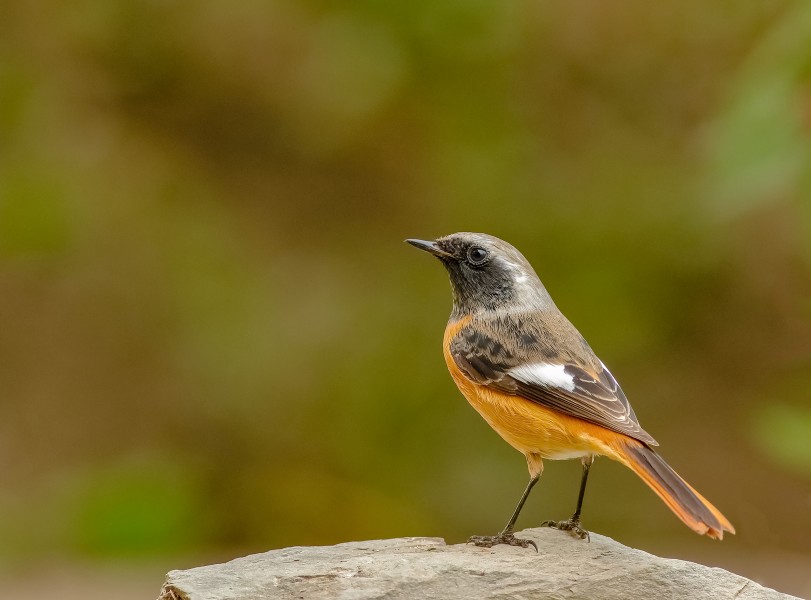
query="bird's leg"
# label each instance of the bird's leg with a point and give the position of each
(573, 524)
(506, 536)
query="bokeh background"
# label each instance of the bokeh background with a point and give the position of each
(214, 342)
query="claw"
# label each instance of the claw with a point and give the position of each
(572, 525)
(488, 541)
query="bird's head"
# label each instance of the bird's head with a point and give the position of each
(487, 274)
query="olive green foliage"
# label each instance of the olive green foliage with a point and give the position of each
(212, 336)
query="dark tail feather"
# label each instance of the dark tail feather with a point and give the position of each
(690, 506)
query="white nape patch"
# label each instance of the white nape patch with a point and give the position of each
(544, 374)
(521, 278)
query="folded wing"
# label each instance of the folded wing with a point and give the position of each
(568, 388)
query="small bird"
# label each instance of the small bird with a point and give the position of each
(535, 380)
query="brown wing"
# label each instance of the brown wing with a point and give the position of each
(568, 388)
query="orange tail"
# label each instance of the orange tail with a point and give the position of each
(690, 506)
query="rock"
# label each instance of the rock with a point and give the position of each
(416, 568)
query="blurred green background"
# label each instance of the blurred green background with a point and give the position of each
(214, 342)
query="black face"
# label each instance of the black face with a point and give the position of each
(482, 271)
(487, 274)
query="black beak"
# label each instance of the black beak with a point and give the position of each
(431, 247)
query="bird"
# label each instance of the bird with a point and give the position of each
(536, 381)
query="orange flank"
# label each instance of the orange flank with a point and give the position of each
(539, 432)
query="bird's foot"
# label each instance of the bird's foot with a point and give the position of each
(505, 537)
(572, 525)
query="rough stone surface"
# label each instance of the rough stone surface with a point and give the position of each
(418, 568)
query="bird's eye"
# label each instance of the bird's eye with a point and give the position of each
(476, 255)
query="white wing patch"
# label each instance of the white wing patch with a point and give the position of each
(543, 374)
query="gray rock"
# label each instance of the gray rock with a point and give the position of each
(418, 568)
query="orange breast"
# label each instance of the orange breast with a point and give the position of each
(527, 426)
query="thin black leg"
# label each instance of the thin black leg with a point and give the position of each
(506, 536)
(517, 511)
(586, 466)
(573, 524)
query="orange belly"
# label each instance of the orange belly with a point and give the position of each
(527, 426)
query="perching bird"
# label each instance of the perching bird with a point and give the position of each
(525, 368)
